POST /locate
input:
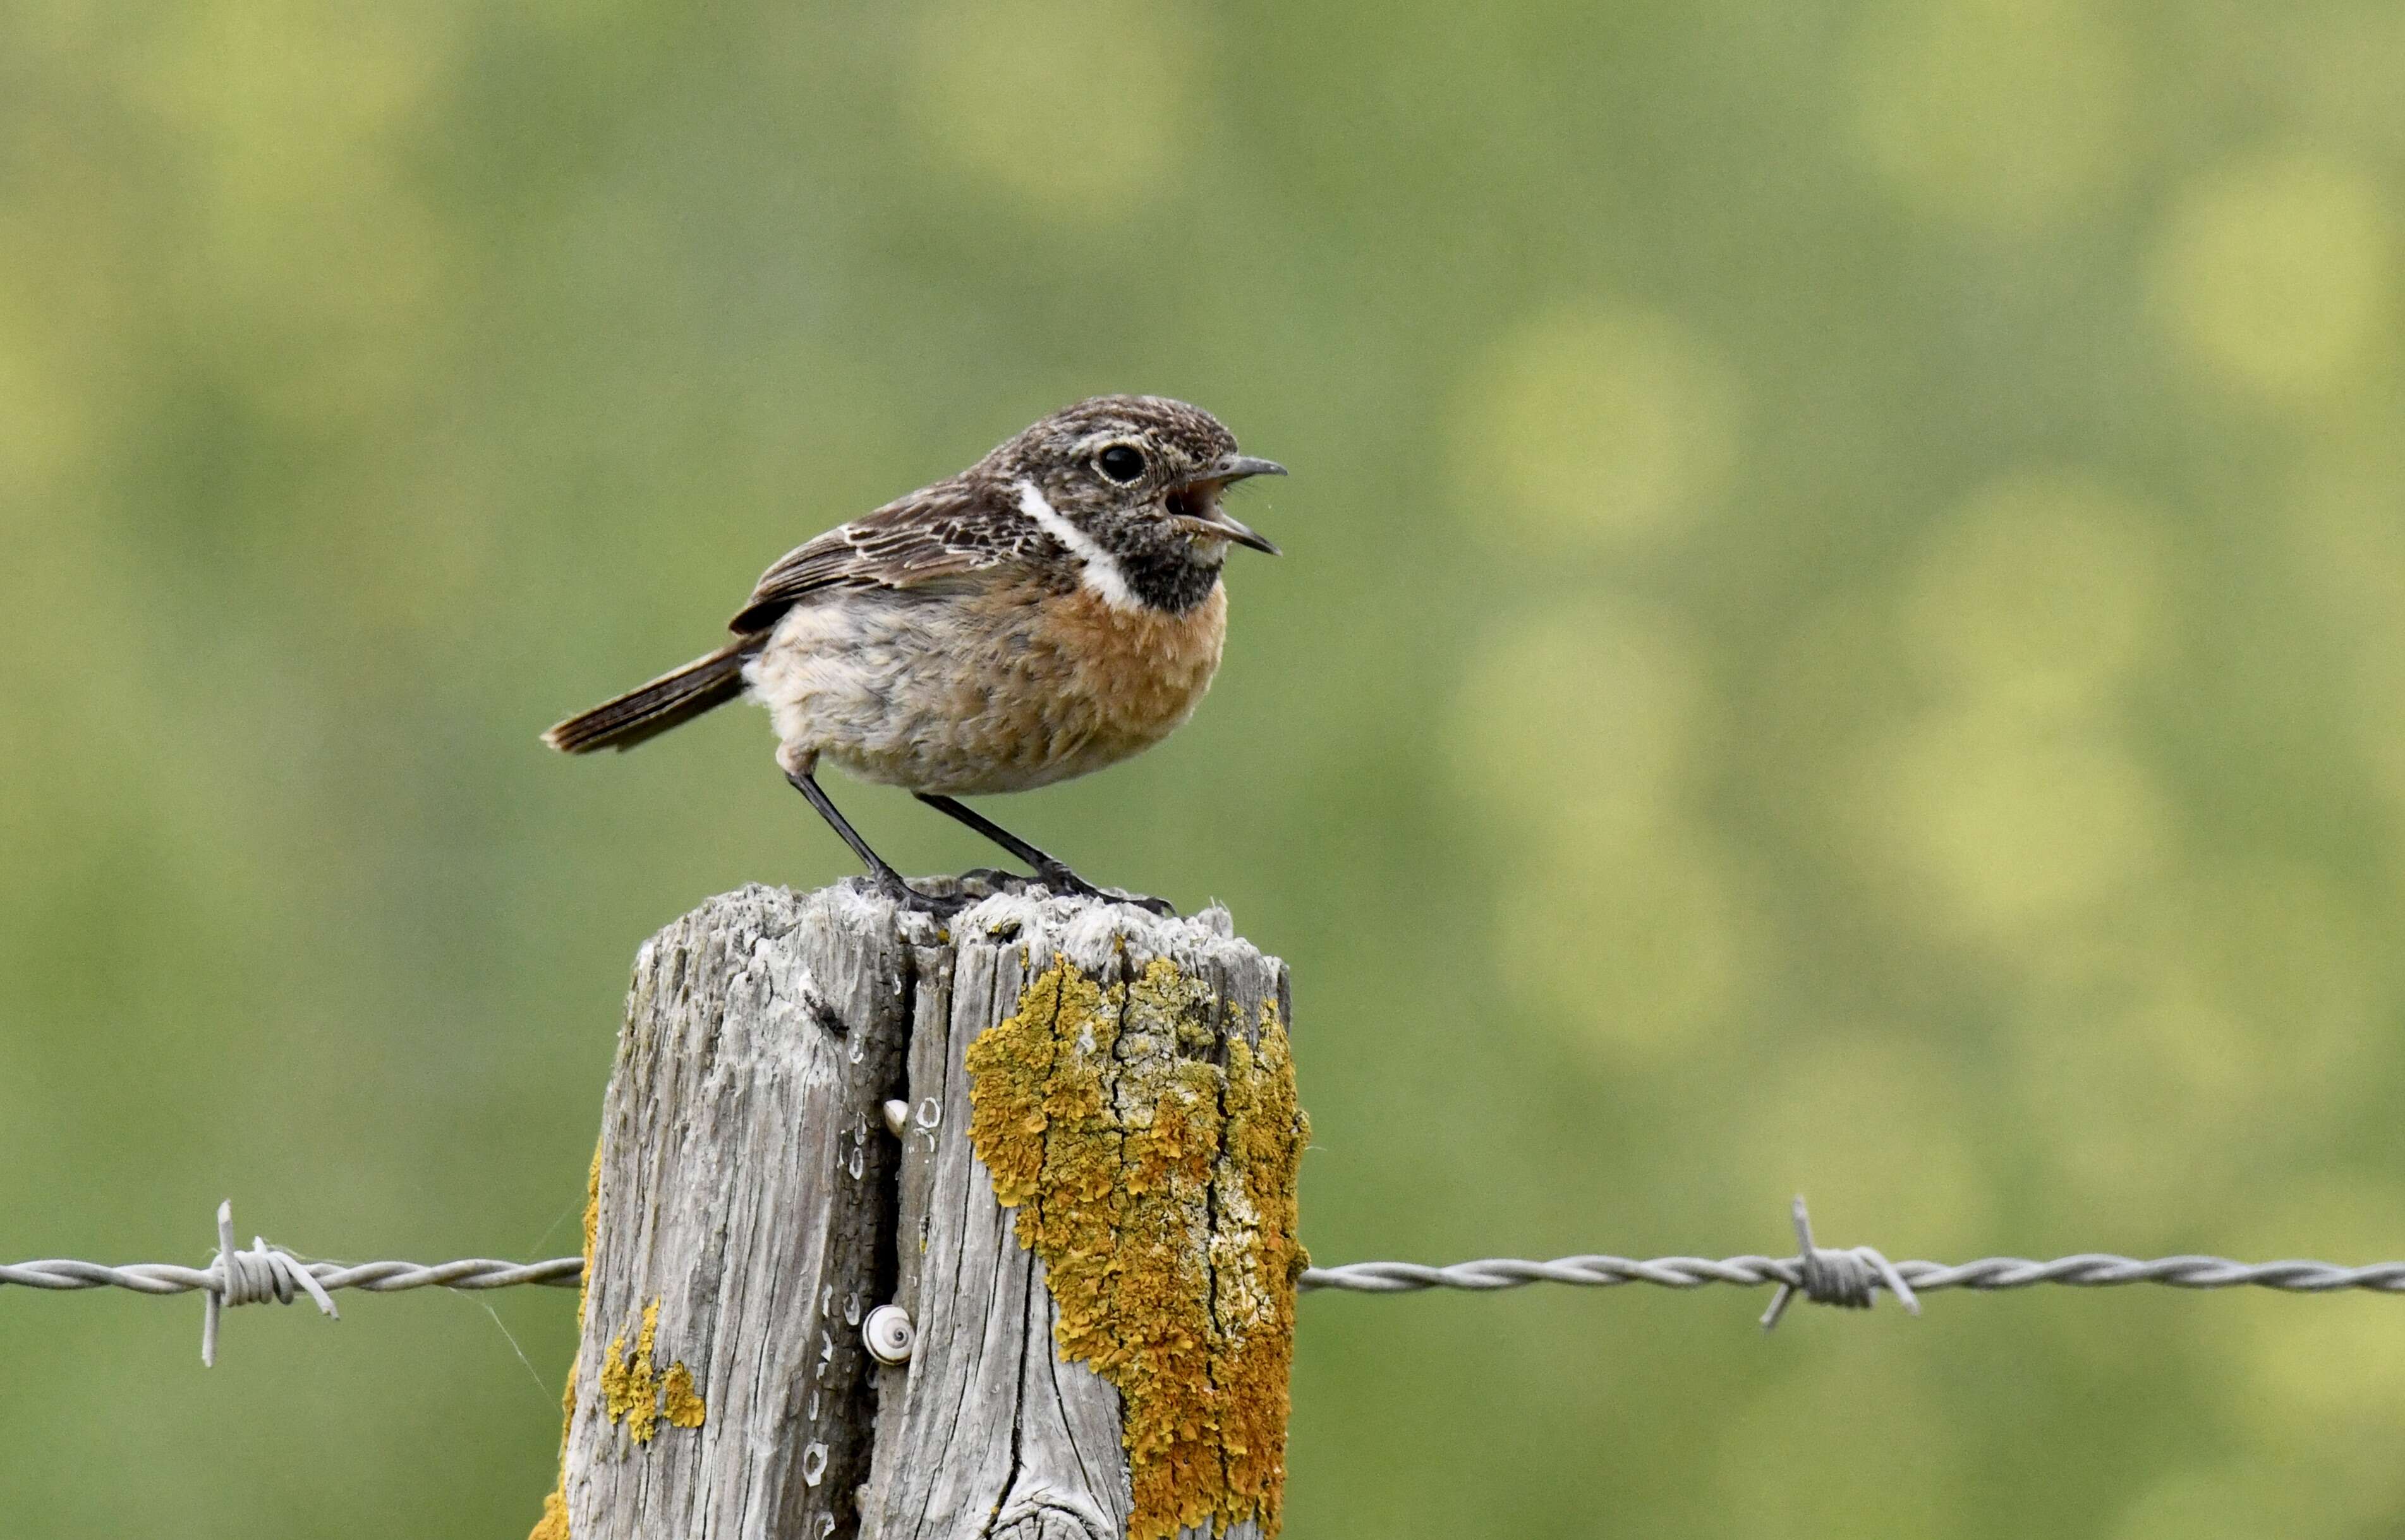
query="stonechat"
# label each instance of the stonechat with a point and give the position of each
(1053, 609)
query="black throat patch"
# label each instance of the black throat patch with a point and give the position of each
(1165, 571)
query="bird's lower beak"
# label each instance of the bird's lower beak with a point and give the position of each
(1216, 523)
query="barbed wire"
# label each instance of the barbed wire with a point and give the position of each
(264, 1272)
(1847, 1278)
(1850, 1278)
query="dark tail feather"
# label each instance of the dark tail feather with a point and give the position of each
(650, 710)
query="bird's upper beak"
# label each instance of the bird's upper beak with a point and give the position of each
(1215, 523)
(1237, 467)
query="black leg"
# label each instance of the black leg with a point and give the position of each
(887, 878)
(1052, 873)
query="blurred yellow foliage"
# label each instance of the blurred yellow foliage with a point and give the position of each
(2043, 593)
(1086, 111)
(2002, 115)
(1594, 427)
(2278, 274)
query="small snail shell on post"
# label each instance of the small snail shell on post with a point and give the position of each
(897, 1117)
(889, 1334)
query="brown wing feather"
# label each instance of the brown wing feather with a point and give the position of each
(945, 532)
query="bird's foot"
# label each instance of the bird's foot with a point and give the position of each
(1059, 879)
(942, 906)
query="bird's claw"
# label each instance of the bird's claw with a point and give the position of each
(1061, 880)
(941, 905)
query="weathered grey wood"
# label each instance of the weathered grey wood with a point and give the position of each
(749, 1185)
(745, 1186)
(987, 1431)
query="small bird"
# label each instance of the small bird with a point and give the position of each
(1052, 609)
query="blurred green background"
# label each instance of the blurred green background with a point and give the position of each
(1843, 630)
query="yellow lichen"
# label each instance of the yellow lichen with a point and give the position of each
(1157, 1187)
(631, 1382)
(552, 1525)
(679, 1403)
(636, 1391)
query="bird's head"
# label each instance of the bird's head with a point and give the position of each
(1136, 478)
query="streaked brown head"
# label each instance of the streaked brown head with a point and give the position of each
(1131, 487)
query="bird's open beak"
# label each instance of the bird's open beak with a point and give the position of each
(1215, 523)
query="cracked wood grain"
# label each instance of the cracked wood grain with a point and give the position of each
(988, 1431)
(749, 1188)
(746, 1200)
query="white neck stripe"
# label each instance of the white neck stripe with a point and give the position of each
(1099, 571)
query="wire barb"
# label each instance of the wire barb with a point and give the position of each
(1847, 1279)
(265, 1272)
(252, 1277)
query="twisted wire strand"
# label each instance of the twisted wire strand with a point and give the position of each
(2088, 1270)
(1848, 1278)
(376, 1277)
(264, 1272)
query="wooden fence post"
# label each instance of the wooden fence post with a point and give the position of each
(1088, 1219)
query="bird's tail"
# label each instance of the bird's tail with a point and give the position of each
(650, 710)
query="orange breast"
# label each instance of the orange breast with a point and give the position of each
(1134, 676)
(1019, 686)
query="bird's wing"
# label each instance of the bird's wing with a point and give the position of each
(944, 532)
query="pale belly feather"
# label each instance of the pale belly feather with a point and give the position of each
(965, 696)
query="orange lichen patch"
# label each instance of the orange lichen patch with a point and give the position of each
(1159, 1188)
(552, 1525)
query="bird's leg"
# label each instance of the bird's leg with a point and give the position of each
(1048, 870)
(887, 878)
(1052, 873)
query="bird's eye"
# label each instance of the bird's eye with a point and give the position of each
(1121, 463)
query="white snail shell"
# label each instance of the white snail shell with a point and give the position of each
(897, 1117)
(889, 1334)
